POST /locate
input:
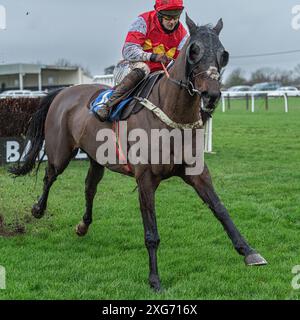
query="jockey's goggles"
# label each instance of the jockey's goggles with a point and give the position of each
(169, 18)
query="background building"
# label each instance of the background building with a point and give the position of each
(23, 76)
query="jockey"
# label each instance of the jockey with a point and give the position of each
(154, 38)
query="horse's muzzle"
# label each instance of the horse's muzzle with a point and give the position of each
(210, 100)
(212, 95)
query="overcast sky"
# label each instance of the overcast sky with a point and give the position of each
(92, 32)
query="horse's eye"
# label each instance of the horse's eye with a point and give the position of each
(195, 52)
(223, 58)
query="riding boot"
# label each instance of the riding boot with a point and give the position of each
(128, 83)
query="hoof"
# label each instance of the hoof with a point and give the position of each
(37, 211)
(155, 284)
(81, 229)
(255, 259)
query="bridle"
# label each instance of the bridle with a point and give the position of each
(211, 72)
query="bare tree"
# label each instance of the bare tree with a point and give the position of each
(283, 77)
(261, 75)
(296, 74)
(297, 70)
(236, 78)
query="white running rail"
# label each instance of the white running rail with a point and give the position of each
(258, 94)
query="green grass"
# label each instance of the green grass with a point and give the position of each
(256, 173)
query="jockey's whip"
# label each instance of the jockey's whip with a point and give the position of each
(165, 70)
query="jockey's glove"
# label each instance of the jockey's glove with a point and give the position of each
(159, 58)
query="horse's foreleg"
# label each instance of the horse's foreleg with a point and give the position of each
(147, 184)
(94, 176)
(204, 187)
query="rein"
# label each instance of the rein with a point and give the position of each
(211, 73)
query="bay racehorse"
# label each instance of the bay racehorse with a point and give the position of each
(65, 123)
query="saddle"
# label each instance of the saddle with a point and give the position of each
(143, 90)
(129, 103)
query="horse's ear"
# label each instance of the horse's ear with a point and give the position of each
(191, 24)
(219, 26)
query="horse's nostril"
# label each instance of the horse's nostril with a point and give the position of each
(214, 95)
(211, 95)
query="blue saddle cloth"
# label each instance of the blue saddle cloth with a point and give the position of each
(103, 97)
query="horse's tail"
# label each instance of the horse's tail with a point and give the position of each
(36, 135)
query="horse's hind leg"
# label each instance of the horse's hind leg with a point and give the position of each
(94, 176)
(39, 208)
(203, 186)
(51, 173)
